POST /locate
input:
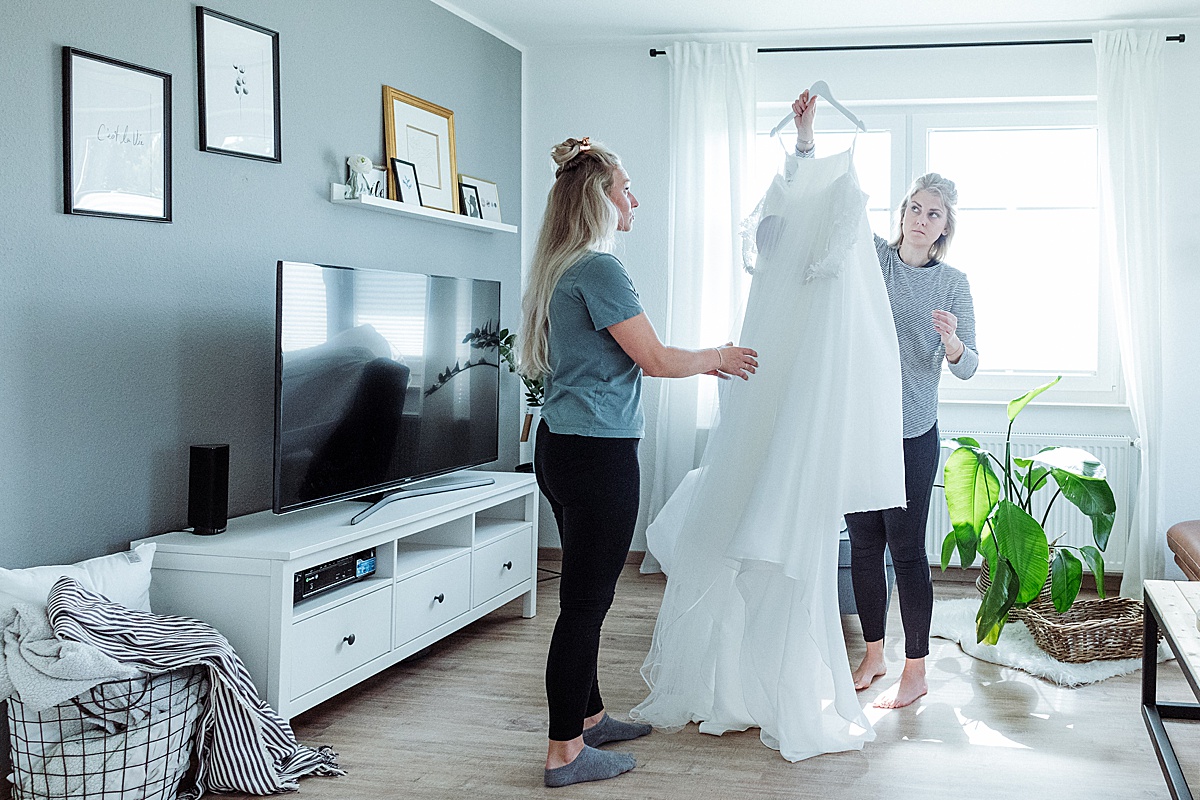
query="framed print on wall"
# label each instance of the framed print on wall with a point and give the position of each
(489, 196)
(239, 87)
(404, 177)
(116, 138)
(422, 134)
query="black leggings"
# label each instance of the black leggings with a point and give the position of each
(592, 484)
(902, 531)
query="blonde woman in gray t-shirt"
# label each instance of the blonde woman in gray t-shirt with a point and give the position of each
(935, 323)
(585, 333)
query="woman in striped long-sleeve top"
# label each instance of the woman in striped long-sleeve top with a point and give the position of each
(935, 321)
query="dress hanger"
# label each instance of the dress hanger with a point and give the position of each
(821, 88)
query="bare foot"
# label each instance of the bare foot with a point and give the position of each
(910, 686)
(872, 667)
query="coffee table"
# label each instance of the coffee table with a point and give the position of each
(1170, 607)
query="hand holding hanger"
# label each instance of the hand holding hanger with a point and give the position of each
(804, 109)
(820, 88)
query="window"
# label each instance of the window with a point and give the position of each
(1028, 239)
(1028, 229)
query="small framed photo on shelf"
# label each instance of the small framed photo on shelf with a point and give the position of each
(422, 134)
(488, 194)
(377, 182)
(116, 138)
(404, 176)
(238, 78)
(469, 201)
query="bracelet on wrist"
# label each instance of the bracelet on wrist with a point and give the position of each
(720, 358)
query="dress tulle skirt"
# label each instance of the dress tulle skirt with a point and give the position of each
(749, 633)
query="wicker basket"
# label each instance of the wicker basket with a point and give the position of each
(1043, 602)
(1090, 630)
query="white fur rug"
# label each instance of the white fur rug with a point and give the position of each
(955, 620)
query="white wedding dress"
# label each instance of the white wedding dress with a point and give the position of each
(749, 633)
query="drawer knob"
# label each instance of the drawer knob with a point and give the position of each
(349, 639)
(441, 598)
(508, 565)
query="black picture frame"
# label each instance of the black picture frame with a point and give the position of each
(227, 127)
(469, 201)
(116, 138)
(407, 191)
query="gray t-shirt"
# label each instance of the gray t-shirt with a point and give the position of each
(594, 388)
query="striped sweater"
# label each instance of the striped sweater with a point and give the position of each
(915, 292)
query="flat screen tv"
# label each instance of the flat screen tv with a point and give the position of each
(381, 379)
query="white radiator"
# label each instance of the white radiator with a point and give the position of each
(1118, 454)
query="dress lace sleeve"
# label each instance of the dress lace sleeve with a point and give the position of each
(839, 231)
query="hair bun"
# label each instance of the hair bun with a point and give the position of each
(566, 152)
(946, 186)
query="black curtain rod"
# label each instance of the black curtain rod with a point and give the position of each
(931, 46)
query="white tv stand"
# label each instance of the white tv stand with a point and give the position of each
(442, 561)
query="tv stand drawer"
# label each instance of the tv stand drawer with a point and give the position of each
(501, 565)
(343, 638)
(432, 598)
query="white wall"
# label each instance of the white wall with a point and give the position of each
(617, 94)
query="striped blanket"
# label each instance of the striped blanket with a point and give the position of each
(241, 743)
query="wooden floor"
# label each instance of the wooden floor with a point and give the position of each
(468, 720)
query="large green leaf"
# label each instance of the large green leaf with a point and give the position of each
(1078, 462)
(1094, 498)
(1095, 562)
(987, 544)
(997, 600)
(1015, 406)
(959, 441)
(1066, 574)
(965, 540)
(1035, 478)
(972, 490)
(948, 550)
(1022, 541)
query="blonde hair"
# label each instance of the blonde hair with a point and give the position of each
(945, 190)
(579, 218)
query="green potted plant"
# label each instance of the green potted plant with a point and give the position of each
(991, 510)
(504, 342)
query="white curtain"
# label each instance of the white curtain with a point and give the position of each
(1129, 88)
(712, 151)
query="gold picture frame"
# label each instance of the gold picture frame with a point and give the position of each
(422, 133)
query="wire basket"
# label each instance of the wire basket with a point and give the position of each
(119, 741)
(1090, 630)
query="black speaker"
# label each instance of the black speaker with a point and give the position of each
(208, 489)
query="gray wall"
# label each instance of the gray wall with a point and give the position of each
(122, 342)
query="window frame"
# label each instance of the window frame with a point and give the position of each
(1105, 385)
(909, 123)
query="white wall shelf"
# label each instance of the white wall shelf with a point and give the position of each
(337, 195)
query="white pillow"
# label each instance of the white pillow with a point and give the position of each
(122, 577)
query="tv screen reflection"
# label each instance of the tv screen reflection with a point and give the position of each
(382, 377)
